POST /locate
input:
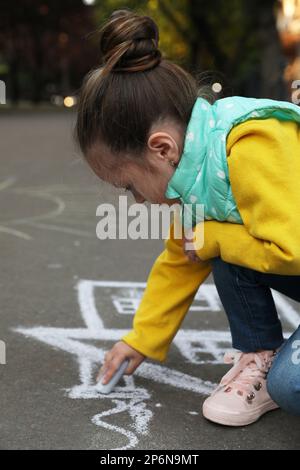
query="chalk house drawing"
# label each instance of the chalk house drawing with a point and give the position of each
(193, 345)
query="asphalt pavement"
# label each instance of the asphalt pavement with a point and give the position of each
(66, 297)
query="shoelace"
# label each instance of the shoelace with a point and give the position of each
(248, 370)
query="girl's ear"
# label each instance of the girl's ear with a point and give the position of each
(164, 146)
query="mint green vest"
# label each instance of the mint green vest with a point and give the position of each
(201, 176)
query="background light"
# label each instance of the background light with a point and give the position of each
(217, 87)
(69, 101)
(88, 2)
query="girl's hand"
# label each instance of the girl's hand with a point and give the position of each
(191, 254)
(114, 358)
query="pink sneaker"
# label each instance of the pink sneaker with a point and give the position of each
(242, 397)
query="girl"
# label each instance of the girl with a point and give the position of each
(144, 126)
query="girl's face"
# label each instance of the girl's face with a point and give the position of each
(147, 178)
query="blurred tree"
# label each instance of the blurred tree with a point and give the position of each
(235, 42)
(42, 44)
(49, 45)
(236, 38)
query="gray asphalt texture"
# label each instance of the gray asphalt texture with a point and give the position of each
(48, 201)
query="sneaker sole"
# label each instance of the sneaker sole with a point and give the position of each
(239, 420)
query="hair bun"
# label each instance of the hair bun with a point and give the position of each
(129, 42)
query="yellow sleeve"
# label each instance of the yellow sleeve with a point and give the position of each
(264, 171)
(171, 287)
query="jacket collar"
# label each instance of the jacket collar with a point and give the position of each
(194, 151)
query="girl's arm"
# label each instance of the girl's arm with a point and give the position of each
(171, 287)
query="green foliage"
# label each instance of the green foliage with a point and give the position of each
(218, 34)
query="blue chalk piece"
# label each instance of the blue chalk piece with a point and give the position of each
(107, 388)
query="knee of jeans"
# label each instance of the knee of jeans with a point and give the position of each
(275, 385)
(284, 388)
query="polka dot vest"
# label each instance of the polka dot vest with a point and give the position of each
(201, 179)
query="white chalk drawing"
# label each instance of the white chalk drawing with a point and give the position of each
(60, 199)
(4, 185)
(195, 346)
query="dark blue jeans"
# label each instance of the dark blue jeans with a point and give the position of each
(254, 324)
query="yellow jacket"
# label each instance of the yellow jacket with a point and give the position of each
(264, 169)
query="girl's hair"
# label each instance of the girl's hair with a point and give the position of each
(133, 89)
